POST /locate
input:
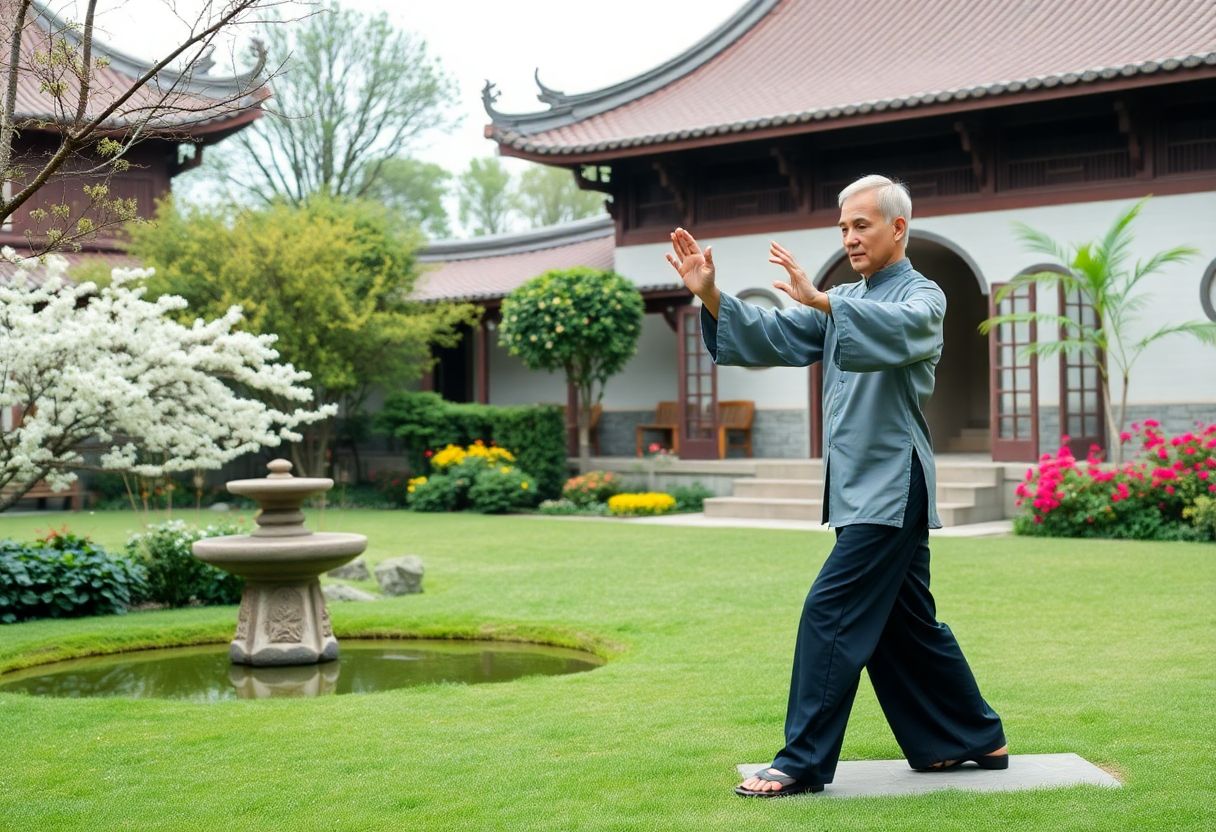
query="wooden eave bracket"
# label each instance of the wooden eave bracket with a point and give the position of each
(972, 140)
(1131, 125)
(792, 164)
(671, 178)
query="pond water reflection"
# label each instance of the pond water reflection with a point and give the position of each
(204, 674)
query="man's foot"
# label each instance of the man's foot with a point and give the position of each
(1002, 752)
(771, 782)
(757, 784)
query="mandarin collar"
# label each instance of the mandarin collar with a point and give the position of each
(887, 272)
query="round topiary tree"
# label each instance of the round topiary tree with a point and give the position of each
(583, 321)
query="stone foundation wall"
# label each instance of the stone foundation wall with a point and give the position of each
(1175, 418)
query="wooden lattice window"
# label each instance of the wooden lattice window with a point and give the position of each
(1014, 379)
(1188, 144)
(1064, 153)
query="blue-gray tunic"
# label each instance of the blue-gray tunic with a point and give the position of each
(882, 341)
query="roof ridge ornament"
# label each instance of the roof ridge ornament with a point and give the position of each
(489, 96)
(548, 95)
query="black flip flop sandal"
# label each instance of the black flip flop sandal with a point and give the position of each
(789, 786)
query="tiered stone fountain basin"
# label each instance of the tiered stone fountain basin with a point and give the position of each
(283, 619)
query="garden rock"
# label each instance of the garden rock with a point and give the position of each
(400, 576)
(356, 570)
(340, 592)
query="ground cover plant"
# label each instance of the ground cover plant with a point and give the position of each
(1097, 647)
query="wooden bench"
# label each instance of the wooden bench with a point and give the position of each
(42, 492)
(666, 420)
(735, 417)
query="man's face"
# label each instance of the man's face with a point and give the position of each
(869, 240)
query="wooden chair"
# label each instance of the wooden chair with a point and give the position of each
(735, 417)
(667, 420)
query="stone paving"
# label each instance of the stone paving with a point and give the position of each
(875, 778)
(995, 527)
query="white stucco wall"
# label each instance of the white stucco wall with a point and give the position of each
(1178, 369)
(513, 383)
(649, 377)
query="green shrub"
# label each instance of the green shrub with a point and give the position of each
(591, 488)
(425, 423)
(566, 507)
(1203, 516)
(64, 576)
(436, 493)
(174, 575)
(479, 476)
(691, 497)
(500, 489)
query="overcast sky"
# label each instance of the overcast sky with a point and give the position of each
(577, 44)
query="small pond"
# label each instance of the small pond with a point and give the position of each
(204, 674)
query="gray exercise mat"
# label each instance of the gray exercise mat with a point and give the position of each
(874, 778)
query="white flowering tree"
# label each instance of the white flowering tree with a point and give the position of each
(104, 369)
(582, 321)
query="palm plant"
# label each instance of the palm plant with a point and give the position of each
(1099, 272)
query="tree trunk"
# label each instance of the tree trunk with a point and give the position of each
(1112, 429)
(584, 428)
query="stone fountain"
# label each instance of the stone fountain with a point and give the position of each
(283, 620)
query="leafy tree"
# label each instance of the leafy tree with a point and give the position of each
(331, 277)
(106, 370)
(354, 95)
(486, 196)
(548, 196)
(414, 190)
(1101, 273)
(96, 118)
(582, 321)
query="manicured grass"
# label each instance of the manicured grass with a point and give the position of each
(1101, 648)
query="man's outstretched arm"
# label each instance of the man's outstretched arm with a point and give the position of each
(740, 333)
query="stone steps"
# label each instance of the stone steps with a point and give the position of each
(967, 492)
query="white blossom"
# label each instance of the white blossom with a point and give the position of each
(112, 371)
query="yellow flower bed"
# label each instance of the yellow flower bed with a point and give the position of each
(641, 504)
(454, 455)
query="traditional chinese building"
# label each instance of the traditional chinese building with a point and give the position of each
(1048, 114)
(189, 111)
(176, 117)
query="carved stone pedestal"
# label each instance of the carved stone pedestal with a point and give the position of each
(283, 620)
(283, 624)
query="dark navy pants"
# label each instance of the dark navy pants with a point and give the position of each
(870, 607)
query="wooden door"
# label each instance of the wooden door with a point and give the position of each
(1082, 416)
(698, 391)
(1013, 380)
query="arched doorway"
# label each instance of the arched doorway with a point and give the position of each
(958, 413)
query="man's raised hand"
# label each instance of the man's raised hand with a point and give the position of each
(695, 269)
(800, 287)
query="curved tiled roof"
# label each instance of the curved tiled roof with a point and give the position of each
(491, 267)
(196, 102)
(794, 62)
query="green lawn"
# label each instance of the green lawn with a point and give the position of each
(1103, 648)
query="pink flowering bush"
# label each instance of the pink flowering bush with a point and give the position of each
(591, 488)
(1152, 497)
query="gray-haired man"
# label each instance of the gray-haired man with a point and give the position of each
(880, 340)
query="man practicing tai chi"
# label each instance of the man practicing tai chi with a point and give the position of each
(880, 340)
